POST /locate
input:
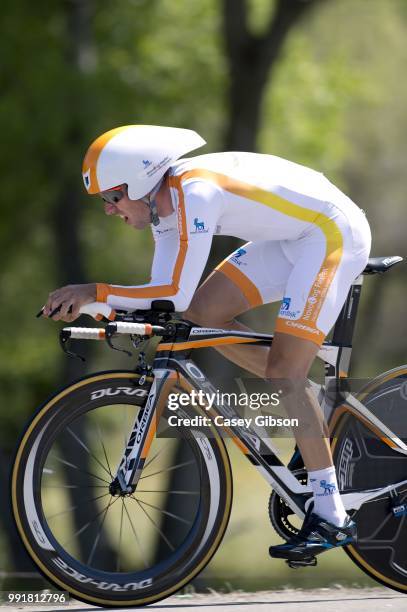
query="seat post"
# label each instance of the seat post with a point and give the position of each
(345, 323)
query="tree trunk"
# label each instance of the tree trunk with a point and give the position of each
(251, 61)
(68, 250)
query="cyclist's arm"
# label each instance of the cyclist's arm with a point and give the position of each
(180, 255)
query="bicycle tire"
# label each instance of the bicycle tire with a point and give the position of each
(363, 461)
(90, 583)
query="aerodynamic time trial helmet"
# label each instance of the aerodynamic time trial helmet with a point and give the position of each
(137, 155)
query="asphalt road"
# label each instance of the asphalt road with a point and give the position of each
(325, 600)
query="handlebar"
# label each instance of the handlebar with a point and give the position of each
(123, 323)
(82, 333)
(97, 333)
(143, 330)
(112, 329)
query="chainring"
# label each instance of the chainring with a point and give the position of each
(280, 512)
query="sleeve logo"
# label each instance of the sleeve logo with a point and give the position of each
(199, 227)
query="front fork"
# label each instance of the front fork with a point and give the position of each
(142, 433)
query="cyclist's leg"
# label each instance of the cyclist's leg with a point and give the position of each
(289, 362)
(325, 263)
(319, 269)
(326, 524)
(260, 273)
(252, 275)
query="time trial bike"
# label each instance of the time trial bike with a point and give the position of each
(119, 515)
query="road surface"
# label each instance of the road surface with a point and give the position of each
(289, 600)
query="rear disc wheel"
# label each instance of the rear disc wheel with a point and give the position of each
(364, 461)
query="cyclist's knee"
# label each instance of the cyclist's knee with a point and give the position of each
(290, 358)
(291, 383)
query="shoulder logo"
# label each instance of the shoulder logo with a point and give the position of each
(146, 163)
(199, 227)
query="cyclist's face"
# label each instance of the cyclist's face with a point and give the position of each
(134, 212)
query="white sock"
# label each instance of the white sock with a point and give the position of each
(327, 500)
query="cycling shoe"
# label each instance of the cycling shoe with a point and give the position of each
(316, 536)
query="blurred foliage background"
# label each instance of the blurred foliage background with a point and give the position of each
(319, 82)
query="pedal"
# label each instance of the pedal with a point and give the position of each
(306, 562)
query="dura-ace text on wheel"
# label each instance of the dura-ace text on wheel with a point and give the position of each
(86, 537)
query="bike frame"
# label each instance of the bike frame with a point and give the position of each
(173, 369)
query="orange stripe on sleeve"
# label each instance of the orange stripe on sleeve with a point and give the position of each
(103, 290)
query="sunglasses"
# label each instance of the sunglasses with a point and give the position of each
(114, 195)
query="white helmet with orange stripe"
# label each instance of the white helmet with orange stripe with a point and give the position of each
(135, 155)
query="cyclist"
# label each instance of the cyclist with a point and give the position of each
(307, 242)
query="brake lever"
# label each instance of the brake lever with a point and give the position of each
(108, 337)
(64, 339)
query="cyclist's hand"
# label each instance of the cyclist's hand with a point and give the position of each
(70, 298)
